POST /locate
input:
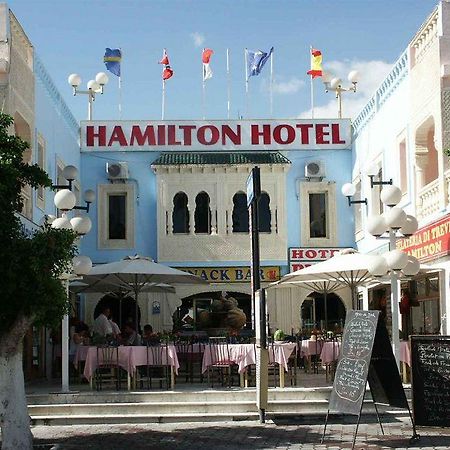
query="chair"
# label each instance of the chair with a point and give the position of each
(158, 365)
(293, 362)
(273, 366)
(108, 369)
(184, 353)
(330, 368)
(219, 359)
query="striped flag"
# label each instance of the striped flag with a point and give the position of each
(316, 63)
(112, 59)
(206, 56)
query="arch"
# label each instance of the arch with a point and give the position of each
(123, 309)
(240, 213)
(426, 152)
(180, 214)
(265, 216)
(313, 312)
(202, 214)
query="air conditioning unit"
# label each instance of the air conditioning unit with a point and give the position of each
(117, 170)
(315, 170)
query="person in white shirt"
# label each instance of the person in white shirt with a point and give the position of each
(102, 325)
(115, 328)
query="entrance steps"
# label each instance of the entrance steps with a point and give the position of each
(179, 406)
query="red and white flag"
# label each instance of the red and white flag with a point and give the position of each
(167, 70)
(206, 56)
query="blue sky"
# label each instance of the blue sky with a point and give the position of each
(71, 37)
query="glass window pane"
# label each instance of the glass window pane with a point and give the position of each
(180, 214)
(202, 214)
(117, 217)
(240, 213)
(264, 213)
(317, 215)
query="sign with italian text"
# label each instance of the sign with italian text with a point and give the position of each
(301, 257)
(428, 243)
(216, 135)
(232, 274)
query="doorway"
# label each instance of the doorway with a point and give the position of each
(123, 309)
(315, 314)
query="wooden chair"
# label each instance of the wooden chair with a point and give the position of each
(108, 369)
(273, 366)
(220, 360)
(158, 366)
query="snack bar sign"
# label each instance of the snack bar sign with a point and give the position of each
(216, 135)
(232, 274)
(301, 257)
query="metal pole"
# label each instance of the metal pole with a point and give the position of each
(271, 84)
(394, 304)
(339, 97)
(246, 83)
(163, 101)
(91, 100)
(65, 347)
(228, 85)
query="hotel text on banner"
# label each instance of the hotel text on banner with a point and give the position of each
(430, 242)
(219, 135)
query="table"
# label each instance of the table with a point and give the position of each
(309, 348)
(130, 357)
(244, 355)
(330, 352)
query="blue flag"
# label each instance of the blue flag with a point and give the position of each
(256, 61)
(112, 59)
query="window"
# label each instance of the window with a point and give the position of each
(180, 215)
(403, 167)
(40, 192)
(317, 204)
(264, 224)
(425, 312)
(202, 215)
(318, 215)
(240, 213)
(116, 216)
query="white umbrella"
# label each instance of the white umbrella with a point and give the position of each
(135, 273)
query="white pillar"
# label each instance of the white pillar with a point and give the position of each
(65, 347)
(395, 289)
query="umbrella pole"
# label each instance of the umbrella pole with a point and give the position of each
(325, 291)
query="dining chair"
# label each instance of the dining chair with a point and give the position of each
(158, 365)
(108, 369)
(273, 366)
(185, 350)
(293, 362)
(220, 360)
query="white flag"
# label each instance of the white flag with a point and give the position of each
(207, 72)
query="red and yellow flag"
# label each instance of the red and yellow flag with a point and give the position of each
(316, 63)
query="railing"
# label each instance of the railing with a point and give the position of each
(428, 199)
(447, 186)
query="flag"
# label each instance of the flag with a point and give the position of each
(206, 56)
(256, 61)
(316, 63)
(112, 59)
(167, 70)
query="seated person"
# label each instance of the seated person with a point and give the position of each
(148, 336)
(130, 336)
(102, 326)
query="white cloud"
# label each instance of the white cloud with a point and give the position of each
(198, 38)
(371, 74)
(283, 85)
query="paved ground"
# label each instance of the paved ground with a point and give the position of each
(290, 434)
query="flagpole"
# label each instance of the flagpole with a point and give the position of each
(163, 102)
(120, 86)
(203, 90)
(246, 83)
(312, 88)
(271, 84)
(228, 84)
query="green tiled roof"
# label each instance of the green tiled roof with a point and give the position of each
(182, 159)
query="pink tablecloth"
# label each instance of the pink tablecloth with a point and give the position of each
(81, 354)
(138, 357)
(244, 355)
(330, 352)
(129, 358)
(405, 352)
(310, 347)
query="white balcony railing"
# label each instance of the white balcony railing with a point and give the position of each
(428, 201)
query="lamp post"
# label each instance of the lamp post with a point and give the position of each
(335, 84)
(65, 201)
(93, 87)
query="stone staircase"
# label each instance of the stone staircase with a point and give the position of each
(179, 406)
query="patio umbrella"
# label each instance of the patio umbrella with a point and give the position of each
(136, 273)
(345, 269)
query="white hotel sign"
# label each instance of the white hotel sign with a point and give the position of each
(216, 135)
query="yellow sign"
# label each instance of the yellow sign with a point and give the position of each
(232, 274)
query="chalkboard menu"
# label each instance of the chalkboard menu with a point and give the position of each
(351, 374)
(430, 359)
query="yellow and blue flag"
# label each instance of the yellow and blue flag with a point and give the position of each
(112, 59)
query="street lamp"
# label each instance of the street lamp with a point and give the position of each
(335, 84)
(393, 223)
(93, 87)
(65, 201)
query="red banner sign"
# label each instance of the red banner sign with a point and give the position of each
(428, 243)
(219, 135)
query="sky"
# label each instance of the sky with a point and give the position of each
(70, 36)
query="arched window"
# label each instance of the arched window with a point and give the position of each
(240, 213)
(265, 217)
(202, 213)
(180, 215)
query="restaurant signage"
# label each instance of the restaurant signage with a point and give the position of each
(301, 257)
(430, 242)
(232, 274)
(216, 135)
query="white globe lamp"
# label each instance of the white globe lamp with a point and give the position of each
(74, 80)
(65, 200)
(335, 83)
(391, 195)
(348, 189)
(376, 225)
(378, 267)
(395, 218)
(93, 85)
(81, 225)
(353, 76)
(70, 173)
(413, 266)
(410, 226)
(396, 260)
(89, 196)
(101, 78)
(62, 223)
(82, 265)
